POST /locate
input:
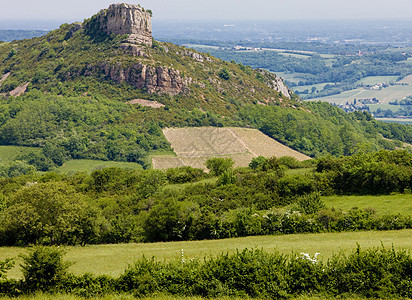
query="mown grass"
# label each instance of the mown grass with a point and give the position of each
(87, 165)
(384, 204)
(10, 153)
(113, 259)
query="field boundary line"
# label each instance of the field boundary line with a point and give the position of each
(241, 141)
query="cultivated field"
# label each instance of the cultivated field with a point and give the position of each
(385, 95)
(113, 259)
(371, 80)
(194, 146)
(395, 120)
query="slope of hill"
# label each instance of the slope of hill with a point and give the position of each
(194, 146)
(114, 48)
(71, 93)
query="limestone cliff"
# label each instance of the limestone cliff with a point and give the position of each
(152, 79)
(128, 19)
(275, 82)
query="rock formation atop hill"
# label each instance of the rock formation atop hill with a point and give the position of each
(128, 19)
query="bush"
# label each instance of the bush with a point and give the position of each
(219, 165)
(43, 268)
(310, 203)
(184, 174)
(5, 266)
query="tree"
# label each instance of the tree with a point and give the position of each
(224, 74)
(219, 165)
(46, 213)
(163, 222)
(151, 182)
(257, 162)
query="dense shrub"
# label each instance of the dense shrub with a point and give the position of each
(184, 174)
(43, 268)
(382, 172)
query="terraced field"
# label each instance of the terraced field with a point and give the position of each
(194, 146)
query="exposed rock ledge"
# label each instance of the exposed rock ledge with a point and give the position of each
(275, 82)
(153, 79)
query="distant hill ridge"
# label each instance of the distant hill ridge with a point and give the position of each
(116, 46)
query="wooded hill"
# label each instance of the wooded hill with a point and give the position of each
(74, 85)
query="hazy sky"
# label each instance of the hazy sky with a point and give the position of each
(77, 10)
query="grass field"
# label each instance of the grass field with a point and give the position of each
(201, 46)
(318, 86)
(87, 165)
(113, 259)
(407, 79)
(395, 120)
(293, 77)
(385, 204)
(385, 95)
(9, 153)
(194, 146)
(371, 80)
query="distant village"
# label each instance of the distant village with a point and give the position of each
(358, 104)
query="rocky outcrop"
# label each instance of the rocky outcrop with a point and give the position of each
(20, 90)
(152, 79)
(128, 19)
(4, 77)
(72, 30)
(278, 85)
(275, 82)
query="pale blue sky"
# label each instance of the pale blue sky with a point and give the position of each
(77, 10)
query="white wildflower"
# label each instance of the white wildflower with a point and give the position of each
(306, 256)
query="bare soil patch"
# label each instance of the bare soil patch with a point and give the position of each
(148, 103)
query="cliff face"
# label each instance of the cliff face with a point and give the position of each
(275, 82)
(153, 79)
(127, 19)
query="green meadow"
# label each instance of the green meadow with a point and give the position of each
(88, 165)
(113, 259)
(10, 153)
(382, 204)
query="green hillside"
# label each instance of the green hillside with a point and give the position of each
(70, 94)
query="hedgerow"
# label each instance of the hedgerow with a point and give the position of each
(378, 272)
